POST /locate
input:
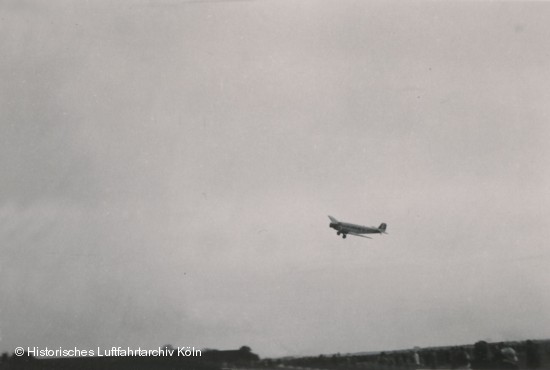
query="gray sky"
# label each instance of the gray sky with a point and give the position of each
(168, 168)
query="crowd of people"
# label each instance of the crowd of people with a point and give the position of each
(499, 356)
(482, 355)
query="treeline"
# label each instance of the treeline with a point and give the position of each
(531, 354)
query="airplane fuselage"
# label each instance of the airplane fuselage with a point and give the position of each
(346, 227)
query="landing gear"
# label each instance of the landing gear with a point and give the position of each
(338, 233)
(344, 236)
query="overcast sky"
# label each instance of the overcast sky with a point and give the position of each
(167, 168)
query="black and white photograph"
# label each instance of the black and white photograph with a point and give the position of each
(274, 184)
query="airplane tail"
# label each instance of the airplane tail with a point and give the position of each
(382, 227)
(333, 220)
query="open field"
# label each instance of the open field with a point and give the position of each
(428, 358)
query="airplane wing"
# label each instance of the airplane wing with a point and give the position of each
(362, 236)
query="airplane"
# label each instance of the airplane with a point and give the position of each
(345, 228)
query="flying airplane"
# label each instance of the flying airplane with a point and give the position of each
(345, 228)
